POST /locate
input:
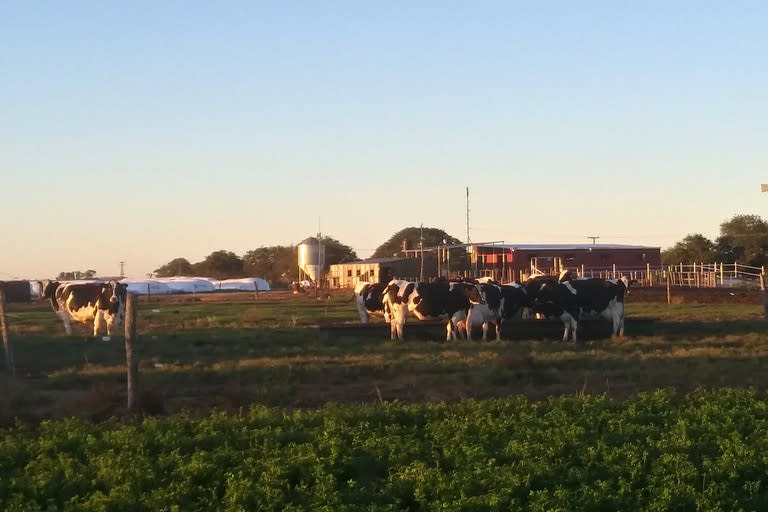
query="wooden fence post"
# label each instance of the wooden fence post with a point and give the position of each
(9, 364)
(765, 295)
(669, 287)
(131, 362)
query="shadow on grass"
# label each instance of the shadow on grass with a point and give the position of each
(698, 329)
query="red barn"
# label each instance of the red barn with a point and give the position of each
(514, 262)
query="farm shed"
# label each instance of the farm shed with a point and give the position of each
(377, 270)
(514, 262)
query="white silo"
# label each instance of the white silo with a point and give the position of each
(311, 259)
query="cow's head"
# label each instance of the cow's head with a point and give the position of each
(113, 293)
(472, 292)
(628, 283)
(48, 288)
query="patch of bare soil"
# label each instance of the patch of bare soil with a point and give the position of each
(682, 295)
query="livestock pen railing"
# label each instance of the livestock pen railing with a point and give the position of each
(694, 275)
(711, 275)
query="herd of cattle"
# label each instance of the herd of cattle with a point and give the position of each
(466, 305)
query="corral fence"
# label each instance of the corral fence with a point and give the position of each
(693, 275)
(713, 275)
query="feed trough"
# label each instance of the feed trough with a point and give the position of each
(546, 329)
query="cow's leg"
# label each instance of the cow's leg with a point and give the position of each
(401, 317)
(457, 324)
(485, 330)
(498, 329)
(66, 321)
(397, 325)
(461, 329)
(574, 323)
(566, 326)
(620, 315)
(401, 330)
(470, 322)
(97, 319)
(569, 326)
(110, 321)
(393, 330)
(361, 310)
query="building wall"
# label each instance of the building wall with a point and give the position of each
(509, 265)
(347, 275)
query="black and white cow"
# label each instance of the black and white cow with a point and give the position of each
(575, 299)
(87, 301)
(369, 299)
(499, 303)
(428, 301)
(536, 308)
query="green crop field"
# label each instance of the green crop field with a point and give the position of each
(246, 406)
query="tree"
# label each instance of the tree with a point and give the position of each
(694, 248)
(221, 265)
(276, 264)
(336, 252)
(430, 237)
(76, 274)
(744, 239)
(175, 267)
(411, 238)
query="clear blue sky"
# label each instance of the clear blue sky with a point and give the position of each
(144, 131)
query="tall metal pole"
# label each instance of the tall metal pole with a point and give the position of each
(469, 240)
(421, 249)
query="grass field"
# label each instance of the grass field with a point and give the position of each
(198, 356)
(280, 415)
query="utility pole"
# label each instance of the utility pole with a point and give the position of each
(594, 239)
(469, 240)
(421, 250)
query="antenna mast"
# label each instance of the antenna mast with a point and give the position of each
(469, 240)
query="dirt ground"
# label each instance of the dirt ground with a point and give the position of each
(696, 295)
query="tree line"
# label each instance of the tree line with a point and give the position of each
(743, 239)
(278, 264)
